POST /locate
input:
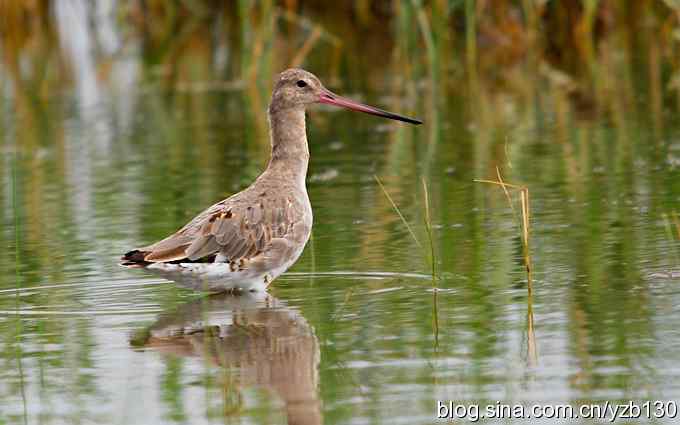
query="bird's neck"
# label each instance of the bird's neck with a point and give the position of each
(290, 153)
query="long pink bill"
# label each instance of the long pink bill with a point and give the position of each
(333, 99)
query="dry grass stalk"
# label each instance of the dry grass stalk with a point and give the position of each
(525, 218)
(525, 226)
(525, 222)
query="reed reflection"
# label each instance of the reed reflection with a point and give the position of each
(254, 335)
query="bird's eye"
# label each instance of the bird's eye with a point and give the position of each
(301, 84)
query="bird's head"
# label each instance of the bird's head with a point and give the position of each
(297, 88)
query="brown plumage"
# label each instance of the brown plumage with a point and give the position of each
(260, 231)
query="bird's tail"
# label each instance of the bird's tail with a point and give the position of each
(134, 258)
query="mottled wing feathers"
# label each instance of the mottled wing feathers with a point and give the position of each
(228, 231)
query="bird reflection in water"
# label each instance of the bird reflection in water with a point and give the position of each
(269, 344)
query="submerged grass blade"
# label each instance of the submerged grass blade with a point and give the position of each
(669, 222)
(532, 350)
(428, 257)
(340, 310)
(17, 270)
(313, 258)
(428, 228)
(433, 264)
(435, 318)
(396, 209)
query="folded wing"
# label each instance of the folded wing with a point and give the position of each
(227, 232)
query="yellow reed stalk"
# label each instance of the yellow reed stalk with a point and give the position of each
(526, 214)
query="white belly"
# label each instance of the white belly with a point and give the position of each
(219, 277)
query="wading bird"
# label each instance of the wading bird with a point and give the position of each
(247, 240)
